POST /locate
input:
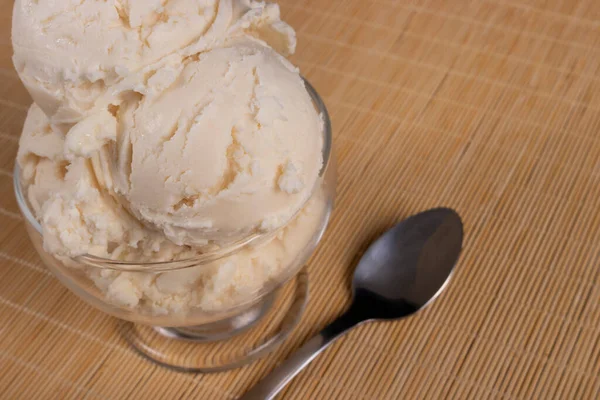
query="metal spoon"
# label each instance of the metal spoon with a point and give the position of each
(402, 272)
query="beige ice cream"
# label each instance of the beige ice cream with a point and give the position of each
(77, 55)
(76, 212)
(160, 128)
(232, 147)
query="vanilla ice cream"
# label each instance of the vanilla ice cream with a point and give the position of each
(78, 216)
(162, 130)
(248, 107)
(76, 56)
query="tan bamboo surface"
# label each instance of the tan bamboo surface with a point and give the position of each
(490, 107)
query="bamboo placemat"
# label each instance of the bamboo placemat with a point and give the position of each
(490, 107)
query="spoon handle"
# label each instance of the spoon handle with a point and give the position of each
(272, 384)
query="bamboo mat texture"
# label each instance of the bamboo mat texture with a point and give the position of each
(489, 107)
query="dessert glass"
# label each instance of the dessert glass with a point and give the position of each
(196, 338)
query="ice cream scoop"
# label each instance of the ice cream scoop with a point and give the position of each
(232, 146)
(76, 56)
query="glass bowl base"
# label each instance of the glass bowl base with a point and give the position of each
(226, 344)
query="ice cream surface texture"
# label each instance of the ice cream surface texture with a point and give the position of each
(162, 129)
(230, 148)
(76, 212)
(75, 56)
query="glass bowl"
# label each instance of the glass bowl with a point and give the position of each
(214, 311)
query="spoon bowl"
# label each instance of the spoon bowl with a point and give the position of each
(409, 265)
(400, 273)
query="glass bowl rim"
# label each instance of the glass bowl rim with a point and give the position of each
(205, 258)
